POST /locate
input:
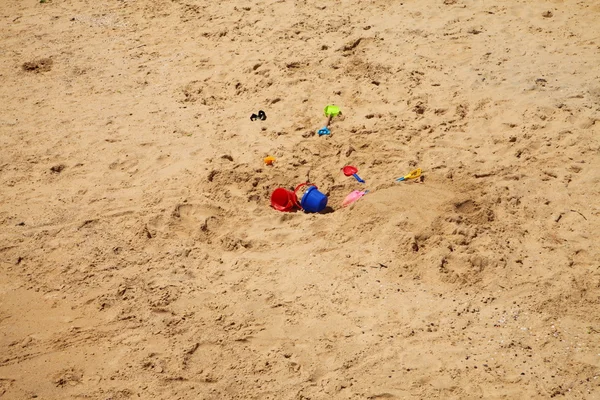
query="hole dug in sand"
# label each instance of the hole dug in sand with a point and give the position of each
(37, 66)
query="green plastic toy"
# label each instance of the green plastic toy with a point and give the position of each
(331, 111)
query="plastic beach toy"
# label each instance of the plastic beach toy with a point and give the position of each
(331, 111)
(412, 175)
(324, 131)
(349, 170)
(283, 199)
(269, 160)
(312, 200)
(353, 196)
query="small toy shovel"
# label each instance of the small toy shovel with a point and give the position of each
(412, 175)
(352, 197)
(349, 170)
(330, 112)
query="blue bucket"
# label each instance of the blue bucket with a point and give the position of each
(313, 201)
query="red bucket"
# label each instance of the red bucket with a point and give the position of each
(283, 199)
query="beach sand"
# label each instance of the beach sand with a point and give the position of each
(139, 254)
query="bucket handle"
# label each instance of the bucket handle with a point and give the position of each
(296, 197)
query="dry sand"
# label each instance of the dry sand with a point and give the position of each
(140, 257)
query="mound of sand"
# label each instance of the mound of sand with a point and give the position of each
(140, 257)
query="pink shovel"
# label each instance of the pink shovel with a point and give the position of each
(354, 196)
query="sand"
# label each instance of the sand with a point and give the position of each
(139, 254)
